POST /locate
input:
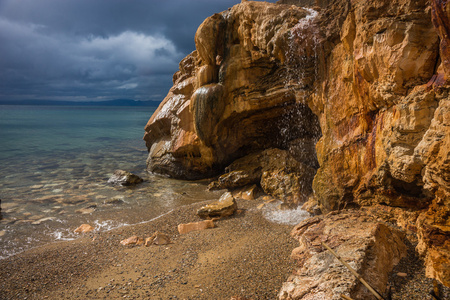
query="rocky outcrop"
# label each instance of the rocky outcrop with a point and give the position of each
(227, 92)
(371, 248)
(366, 82)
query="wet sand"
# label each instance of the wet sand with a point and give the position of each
(245, 255)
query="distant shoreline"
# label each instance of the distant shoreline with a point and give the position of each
(116, 102)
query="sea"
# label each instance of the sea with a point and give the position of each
(55, 162)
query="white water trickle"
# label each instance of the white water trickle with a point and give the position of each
(303, 41)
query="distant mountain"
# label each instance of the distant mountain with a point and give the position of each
(116, 102)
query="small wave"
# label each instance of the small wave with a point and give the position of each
(61, 236)
(108, 225)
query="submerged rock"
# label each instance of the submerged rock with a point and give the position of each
(367, 245)
(117, 200)
(89, 209)
(224, 207)
(125, 178)
(194, 226)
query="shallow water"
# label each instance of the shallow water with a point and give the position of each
(55, 163)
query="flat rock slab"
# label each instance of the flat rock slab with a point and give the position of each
(370, 247)
(194, 226)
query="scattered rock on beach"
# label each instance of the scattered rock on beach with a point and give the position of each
(201, 225)
(134, 240)
(125, 178)
(84, 228)
(157, 238)
(225, 206)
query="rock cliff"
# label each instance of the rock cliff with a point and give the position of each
(365, 82)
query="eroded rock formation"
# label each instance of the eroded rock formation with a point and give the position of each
(365, 81)
(232, 96)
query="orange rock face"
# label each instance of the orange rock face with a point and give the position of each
(231, 96)
(363, 81)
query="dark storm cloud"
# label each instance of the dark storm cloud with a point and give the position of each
(96, 49)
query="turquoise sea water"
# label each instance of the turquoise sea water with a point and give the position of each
(54, 165)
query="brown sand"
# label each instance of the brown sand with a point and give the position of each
(245, 255)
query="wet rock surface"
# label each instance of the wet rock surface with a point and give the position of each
(125, 178)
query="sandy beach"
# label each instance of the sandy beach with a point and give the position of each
(245, 255)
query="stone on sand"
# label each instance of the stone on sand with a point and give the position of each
(84, 228)
(158, 238)
(201, 225)
(134, 240)
(225, 206)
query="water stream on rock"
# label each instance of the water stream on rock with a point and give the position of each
(300, 139)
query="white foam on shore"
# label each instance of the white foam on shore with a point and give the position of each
(59, 235)
(284, 216)
(108, 225)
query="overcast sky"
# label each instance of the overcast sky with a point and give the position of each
(96, 49)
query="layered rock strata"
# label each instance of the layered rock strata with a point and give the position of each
(369, 78)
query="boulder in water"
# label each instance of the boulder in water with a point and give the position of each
(126, 178)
